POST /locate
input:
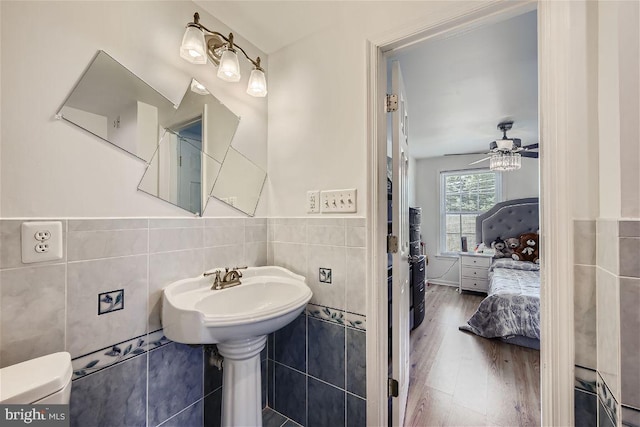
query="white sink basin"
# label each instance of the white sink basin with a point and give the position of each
(268, 299)
(238, 320)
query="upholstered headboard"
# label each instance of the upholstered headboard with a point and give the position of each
(508, 219)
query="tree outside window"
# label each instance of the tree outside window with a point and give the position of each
(464, 196)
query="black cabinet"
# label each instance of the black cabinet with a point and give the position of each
(417, 271)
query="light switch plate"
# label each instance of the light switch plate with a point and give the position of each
(338, 201)
(313, 201)
(41, 241)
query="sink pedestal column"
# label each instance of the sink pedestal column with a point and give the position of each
(241, 386)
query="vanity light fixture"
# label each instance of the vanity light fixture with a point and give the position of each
(198, 87)
(200, 43)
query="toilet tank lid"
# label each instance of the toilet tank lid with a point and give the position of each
(34, 379)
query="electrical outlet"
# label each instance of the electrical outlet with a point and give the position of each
(338, 201)
(313, 201)
(42, 248)
(41, 241)
(42, 235)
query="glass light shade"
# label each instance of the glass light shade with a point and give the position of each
(257, 84)
(502, 161)
(192, 48)
(198, 87)
(229, 68)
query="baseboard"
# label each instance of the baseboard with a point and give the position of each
(442, 282)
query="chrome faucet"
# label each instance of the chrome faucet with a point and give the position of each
(231, 278)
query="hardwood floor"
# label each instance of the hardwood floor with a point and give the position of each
(460, 379)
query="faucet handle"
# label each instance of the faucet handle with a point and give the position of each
(211, 273)
(239, 268)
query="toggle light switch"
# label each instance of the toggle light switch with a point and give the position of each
(338, 201)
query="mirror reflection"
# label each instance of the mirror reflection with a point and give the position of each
(175, 173)
(188, 149)
(239, 182)
(114, 104)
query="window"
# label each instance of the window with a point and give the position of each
(463, 196)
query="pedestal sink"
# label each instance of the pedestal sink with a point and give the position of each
(237, 319)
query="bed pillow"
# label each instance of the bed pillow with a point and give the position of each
(514, 265)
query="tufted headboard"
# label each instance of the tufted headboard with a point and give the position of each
(508, 219)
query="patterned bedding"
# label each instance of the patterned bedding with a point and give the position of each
(512, 306)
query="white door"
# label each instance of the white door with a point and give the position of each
(189, 187)
(400, 229)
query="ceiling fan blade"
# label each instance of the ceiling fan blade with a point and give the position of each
(530, 146)
(478, 161)
(466, 154)
(531, 154)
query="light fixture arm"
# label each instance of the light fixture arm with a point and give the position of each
(229, 39)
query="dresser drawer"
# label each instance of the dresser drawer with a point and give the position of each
(478, 285)
(475, 261)
(475, 273)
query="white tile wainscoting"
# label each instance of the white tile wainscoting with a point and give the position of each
(54, 306)
(607, 320)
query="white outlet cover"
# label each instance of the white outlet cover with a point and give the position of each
(29, 241)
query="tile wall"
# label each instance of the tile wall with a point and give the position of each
(317, 363)
(127, 373)
(607, 321)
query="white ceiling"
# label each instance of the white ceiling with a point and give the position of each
(459, 87)
(272, 25)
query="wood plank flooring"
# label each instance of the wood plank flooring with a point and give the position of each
(459, 379)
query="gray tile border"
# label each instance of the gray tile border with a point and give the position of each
(116, 353)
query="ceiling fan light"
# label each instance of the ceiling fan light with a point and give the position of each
(192, 49)
(505, 162)
(504, 144)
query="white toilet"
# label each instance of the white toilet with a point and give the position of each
(44, 380)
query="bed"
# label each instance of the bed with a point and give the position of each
(511, 310)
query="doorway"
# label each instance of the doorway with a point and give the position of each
(556, 355)
(462, 89)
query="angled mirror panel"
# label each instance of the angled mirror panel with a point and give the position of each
(239, 182)
(116, 105)
(178, 169)
(219, 123)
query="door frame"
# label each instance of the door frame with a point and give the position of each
(555, 35)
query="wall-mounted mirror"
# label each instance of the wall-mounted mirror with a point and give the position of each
(186, 148)
(116, 105)
(239, 182)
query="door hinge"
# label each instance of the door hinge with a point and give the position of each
(392, 103)
(393, 387)
(180, 161)
(392, 244)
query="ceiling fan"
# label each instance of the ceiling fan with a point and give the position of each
(505, 154)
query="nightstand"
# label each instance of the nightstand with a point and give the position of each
(474, 271)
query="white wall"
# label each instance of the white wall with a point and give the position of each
(515, 185)
(318, 101)
(52, 169)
